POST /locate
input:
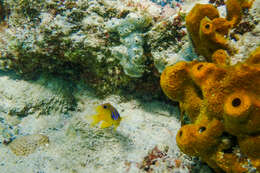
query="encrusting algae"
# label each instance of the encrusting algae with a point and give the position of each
(223, 105)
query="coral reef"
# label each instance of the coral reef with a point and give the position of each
(166, 39)
(26, 145)
(64, 38)
(130, 30)
(223, 105)
(110, 45)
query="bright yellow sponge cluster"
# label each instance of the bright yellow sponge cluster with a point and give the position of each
(223, 105)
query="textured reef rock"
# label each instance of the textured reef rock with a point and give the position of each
(19, 99)
(130, 31)
(168, 44)
(222, 103)
(49, 94)
(104, 42)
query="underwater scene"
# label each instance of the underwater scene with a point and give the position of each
(130, 86)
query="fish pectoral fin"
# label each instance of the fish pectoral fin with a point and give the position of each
(105, 125)
(95, 120)
(115, 127)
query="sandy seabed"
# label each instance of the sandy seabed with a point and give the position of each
(43, 107)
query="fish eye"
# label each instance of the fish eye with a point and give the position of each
(105, 106)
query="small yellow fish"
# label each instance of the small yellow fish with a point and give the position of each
(108, 115)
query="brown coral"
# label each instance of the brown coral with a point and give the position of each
(223, 104)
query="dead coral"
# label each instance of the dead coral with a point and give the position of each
(152, 158)
(26, 145)
(223, 104)
(160, 156)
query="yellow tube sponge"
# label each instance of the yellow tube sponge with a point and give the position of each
(231, 163)
(234, 10)
(250, 145)
(177, 83)
(241, 113)
(223, 104)
(200, 139)
(254, 57)
(221, 57)
(207, 30)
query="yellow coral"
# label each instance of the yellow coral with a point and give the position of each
(231, 163)
(201, 138)
(241, 113)
(222, 102)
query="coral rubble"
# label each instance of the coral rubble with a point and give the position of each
(223, 105)
(26, 145)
